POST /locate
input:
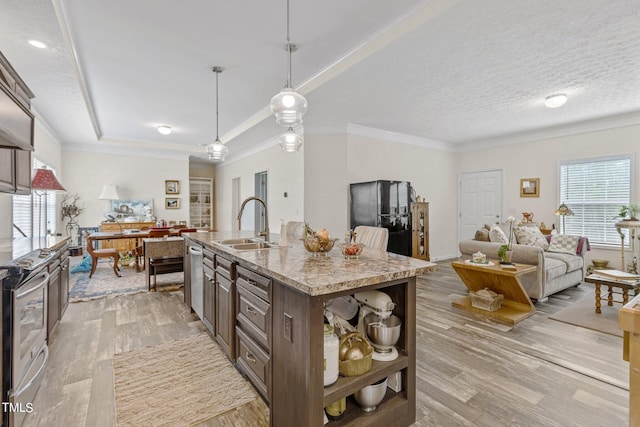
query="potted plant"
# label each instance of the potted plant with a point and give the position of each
(505, 252)
(629, 212)
(69, 209)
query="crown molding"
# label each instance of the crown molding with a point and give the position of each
(586, 126)
(125, 150)
(354, 129)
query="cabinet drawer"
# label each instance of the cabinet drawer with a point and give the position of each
(54, 264)
(225, 267)
(254, 315)
(257, 283)
(208, 253)
(253, 361)
(206, 262)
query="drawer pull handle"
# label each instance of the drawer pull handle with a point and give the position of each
(252, 310)
(251, 282)
(250, 358)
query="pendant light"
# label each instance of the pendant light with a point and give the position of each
(288, 106)
(290, 141)
(217, 150)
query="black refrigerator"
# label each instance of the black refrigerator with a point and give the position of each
(384, 204)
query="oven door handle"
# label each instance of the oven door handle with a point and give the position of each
(45, 279)
(45, 350)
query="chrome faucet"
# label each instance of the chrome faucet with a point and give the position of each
(265, 232)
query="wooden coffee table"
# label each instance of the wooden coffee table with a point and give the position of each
(516, 305)
(625, 286)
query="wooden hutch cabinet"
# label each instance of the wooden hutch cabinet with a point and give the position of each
(420, 230)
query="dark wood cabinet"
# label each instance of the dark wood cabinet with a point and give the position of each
(209, 292)
(225, 277)
(253, 328)
(187, 274)
(16, 131)
(58, 289)
(64, 283)
(53, 298)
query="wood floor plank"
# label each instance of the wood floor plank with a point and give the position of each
(470, 371)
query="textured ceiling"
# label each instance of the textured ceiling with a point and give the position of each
(457, 72)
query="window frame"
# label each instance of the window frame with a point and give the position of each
(599, 159)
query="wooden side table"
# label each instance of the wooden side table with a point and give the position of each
(629, 322)
(625, 287)
(516, 305)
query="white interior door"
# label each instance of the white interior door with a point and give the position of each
(480, 201)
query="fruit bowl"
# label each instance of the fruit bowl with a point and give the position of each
(351, 251)
(318, 246)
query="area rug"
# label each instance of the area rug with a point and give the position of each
(105, 283)
(181, 383)
(583, 313)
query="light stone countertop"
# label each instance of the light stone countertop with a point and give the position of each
(13, 248)
(318, 275)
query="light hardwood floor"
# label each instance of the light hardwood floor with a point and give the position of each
(471, 372)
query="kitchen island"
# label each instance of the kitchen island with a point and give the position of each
(267, 314)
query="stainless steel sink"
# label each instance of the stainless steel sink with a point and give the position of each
(252, 246)
(236, 241)
(246, 244)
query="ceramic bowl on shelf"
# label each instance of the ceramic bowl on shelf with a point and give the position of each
(351, 251)
(317, 246)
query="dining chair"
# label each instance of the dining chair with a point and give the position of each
(101, 253)
(372, 237)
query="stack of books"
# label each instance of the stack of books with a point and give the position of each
(616, 275)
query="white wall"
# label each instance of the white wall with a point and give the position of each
(326, 197)
(433, 174)
(285, 174)
(137, 177)
(540, 159)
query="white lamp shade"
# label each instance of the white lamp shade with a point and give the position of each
(217, 151)
(290, 141)
(109, 192)
(288, 106)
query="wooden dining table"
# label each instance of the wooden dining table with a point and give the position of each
(137, 235)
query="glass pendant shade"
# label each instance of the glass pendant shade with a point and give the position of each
(288, 106)
(217, 151)
(290, 141)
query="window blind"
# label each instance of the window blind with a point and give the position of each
(595, 189)
(30, 211)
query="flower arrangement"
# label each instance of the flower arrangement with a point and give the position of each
(126, 258)
(69, 208)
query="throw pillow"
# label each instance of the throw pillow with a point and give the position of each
(497, 235)
(531, 236)
(564, 244)
(482, 235)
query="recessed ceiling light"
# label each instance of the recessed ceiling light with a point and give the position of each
(164, 130)
(555, 101)
(38, 44)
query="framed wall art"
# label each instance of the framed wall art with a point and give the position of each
(172, 203)
(171, 187)
(530, 187)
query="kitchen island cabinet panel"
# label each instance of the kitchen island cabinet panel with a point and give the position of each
(293, 287)
(225, 314)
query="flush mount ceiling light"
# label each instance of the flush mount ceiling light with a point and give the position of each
(164, 130)
(288, 106)
(217, 150)
(38, 44)
(555, 101)
(290, 141)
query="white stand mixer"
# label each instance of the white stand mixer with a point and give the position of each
(379, 303)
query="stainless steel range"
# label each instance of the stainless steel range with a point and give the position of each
(24, 332)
